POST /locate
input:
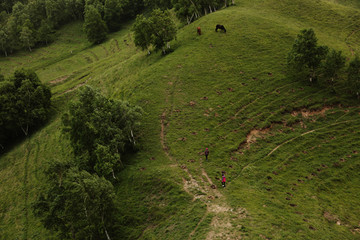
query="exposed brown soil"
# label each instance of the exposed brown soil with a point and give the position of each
(309, 113)
(330, 217)
(59, 80)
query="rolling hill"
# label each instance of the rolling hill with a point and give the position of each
(290, 149)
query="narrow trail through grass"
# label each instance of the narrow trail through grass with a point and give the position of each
(308, 132)
(209, 194)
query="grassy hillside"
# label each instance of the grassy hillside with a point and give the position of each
(290, 150)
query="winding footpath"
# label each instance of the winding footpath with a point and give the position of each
(224, 224)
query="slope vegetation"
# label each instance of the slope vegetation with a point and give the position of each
(290, 150)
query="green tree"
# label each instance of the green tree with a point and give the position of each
(25, 104)
(36, 12)
(305, 57)
(162, 4)
(354, 76)
(142, 32)
(94, 27)
(189, 10)
(55, 12)
(45, 32)
(8, 124)
(332, 66)
(158, 30)
(27, 35)
(163, 29)
(113, 14)
(101, 130)
(13, 34)
(32, 100)
(76, 204)
(75, 9)
(4, 41)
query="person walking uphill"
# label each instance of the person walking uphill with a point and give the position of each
(206, 153)
(223, 181)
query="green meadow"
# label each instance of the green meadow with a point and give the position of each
(290, 149)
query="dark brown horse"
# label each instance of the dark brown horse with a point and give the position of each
(221, 27)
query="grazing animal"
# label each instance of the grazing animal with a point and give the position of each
(221, 27)
(199, 30)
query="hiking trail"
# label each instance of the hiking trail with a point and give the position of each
(225, 221)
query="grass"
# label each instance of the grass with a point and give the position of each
(298, 180)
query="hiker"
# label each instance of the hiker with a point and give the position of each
(206, 153)
(221, 27)
(199, 30)
(223, 181)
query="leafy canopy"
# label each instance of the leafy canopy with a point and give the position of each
(157, 30)
(94, 27)
(354, 76)
(25, 103)
(76, 204)
(305, 57)
(101, 130)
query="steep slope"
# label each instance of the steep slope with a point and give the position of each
(290, 150)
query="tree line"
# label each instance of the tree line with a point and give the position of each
(25, 104)
(26, 24)
(78, 199)
(307, 61)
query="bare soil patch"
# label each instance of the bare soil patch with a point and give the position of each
(305, 113)
(59, 80)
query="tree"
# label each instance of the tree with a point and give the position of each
(94, 27)
(8, 124)
(118, 11)
(305, 57)
(13, 34)
(45, 32)
(142, 32)
(189, 10)
(76, 204)
(163, 29)
(27, 35)
(333, 63)
(32, 100)
(55, 12)
(354, 76)
(4, 41)
(157, 30)
(162, 4)
(101, 130)
(113, 14)
(25, 104)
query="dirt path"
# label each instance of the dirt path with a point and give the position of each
(224, 224)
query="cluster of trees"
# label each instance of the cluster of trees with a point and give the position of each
(101, 130)
(157, 30)
(25, 24)
(28, 23)
(102, 16)
(189, 10)
(310, 62)
(25, 104)
(76, 204)
(78, 201)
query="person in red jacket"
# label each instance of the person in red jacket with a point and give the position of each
(206, 153)
(223, 181)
